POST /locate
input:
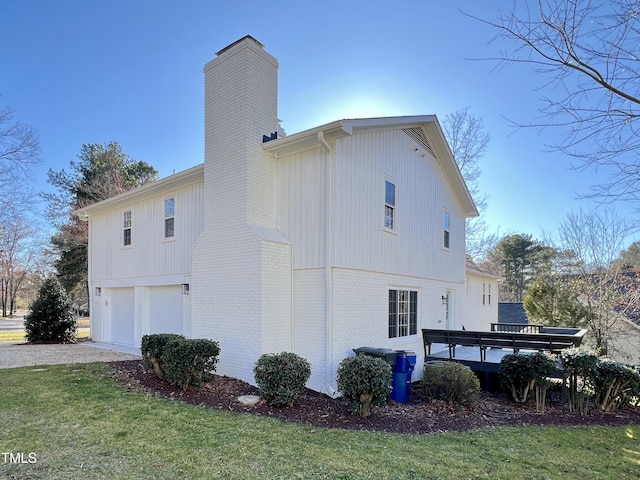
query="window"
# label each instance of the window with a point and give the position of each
(403, 313)
(169, 210)
(446, 228)
(389, 205)
(486, 293)
(127, 228)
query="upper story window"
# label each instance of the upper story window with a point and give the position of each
(446, 230)
(126, 228)
(486, 293)
(169, 214)
(389, 205)
(403, 313)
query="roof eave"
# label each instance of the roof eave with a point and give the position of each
(158, 187)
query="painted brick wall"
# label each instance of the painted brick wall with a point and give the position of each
(310, 321)
(241, 275)
(360, 311)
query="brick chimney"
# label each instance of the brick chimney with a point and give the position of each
(241, 283)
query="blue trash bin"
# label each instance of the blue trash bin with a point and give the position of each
(401, 380)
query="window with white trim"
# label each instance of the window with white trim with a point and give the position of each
(126, 228)
(389, 205)
(403, 313)
(169, 216)
(446, 230)
(486, 293)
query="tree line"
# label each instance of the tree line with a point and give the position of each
(584, 278)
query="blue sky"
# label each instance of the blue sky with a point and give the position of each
(85, 71)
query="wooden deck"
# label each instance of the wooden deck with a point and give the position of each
(487, 371)
(470, 356)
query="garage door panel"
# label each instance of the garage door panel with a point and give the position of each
(165, 310)
(122, 315)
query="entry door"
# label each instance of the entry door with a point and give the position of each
(449, 320)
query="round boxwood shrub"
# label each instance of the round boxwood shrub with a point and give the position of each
(51, 319)
(452, 382)
(152, 348)
(364, 380)
(281, 377)
(190, 362)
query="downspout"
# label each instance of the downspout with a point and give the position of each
(328, 272)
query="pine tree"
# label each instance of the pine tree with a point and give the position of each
(51, 319)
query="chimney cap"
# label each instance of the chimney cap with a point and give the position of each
(246, 37)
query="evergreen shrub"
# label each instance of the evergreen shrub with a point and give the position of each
(452, 382)
(364, 380)
(579, 367)
(179, 360)
(615, 384)
(51, 319)
(522, 374)
(281, 377)
(152, 349)
(190, 362)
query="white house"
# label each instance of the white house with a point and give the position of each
(481, 302)
(349, 234)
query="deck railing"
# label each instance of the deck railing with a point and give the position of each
(516, 327)
(548, 339)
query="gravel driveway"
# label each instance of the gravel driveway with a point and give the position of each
(13, 355)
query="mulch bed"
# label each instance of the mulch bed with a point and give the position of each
(416, 417)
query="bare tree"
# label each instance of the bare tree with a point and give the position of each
(589, 57)
(469, 142)
(19, 152)
(607, 291)
(18, 253)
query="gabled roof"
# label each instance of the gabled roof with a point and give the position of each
(158, 187)
(424, 129)
(475, 269)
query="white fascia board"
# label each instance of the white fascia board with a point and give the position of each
(447, 161)
(340, 128)
(149, 190)
(480, 273)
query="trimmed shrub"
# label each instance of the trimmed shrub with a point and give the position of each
(615, 384)
(452, 382)
(152, 348)
(51, 319)
(190, 362)
(516, 376)
(364, 380)
(521, 374)
(281, 377)
(579, 372)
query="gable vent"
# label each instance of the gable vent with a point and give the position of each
(418, 136)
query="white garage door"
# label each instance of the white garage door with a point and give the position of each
(122, 315)
(165, 309)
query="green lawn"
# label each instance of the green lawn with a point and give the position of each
(79, 424)
(18, 335)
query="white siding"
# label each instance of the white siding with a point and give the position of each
(302, 205)
(363, 161)
(150, 254)
(479, 311)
